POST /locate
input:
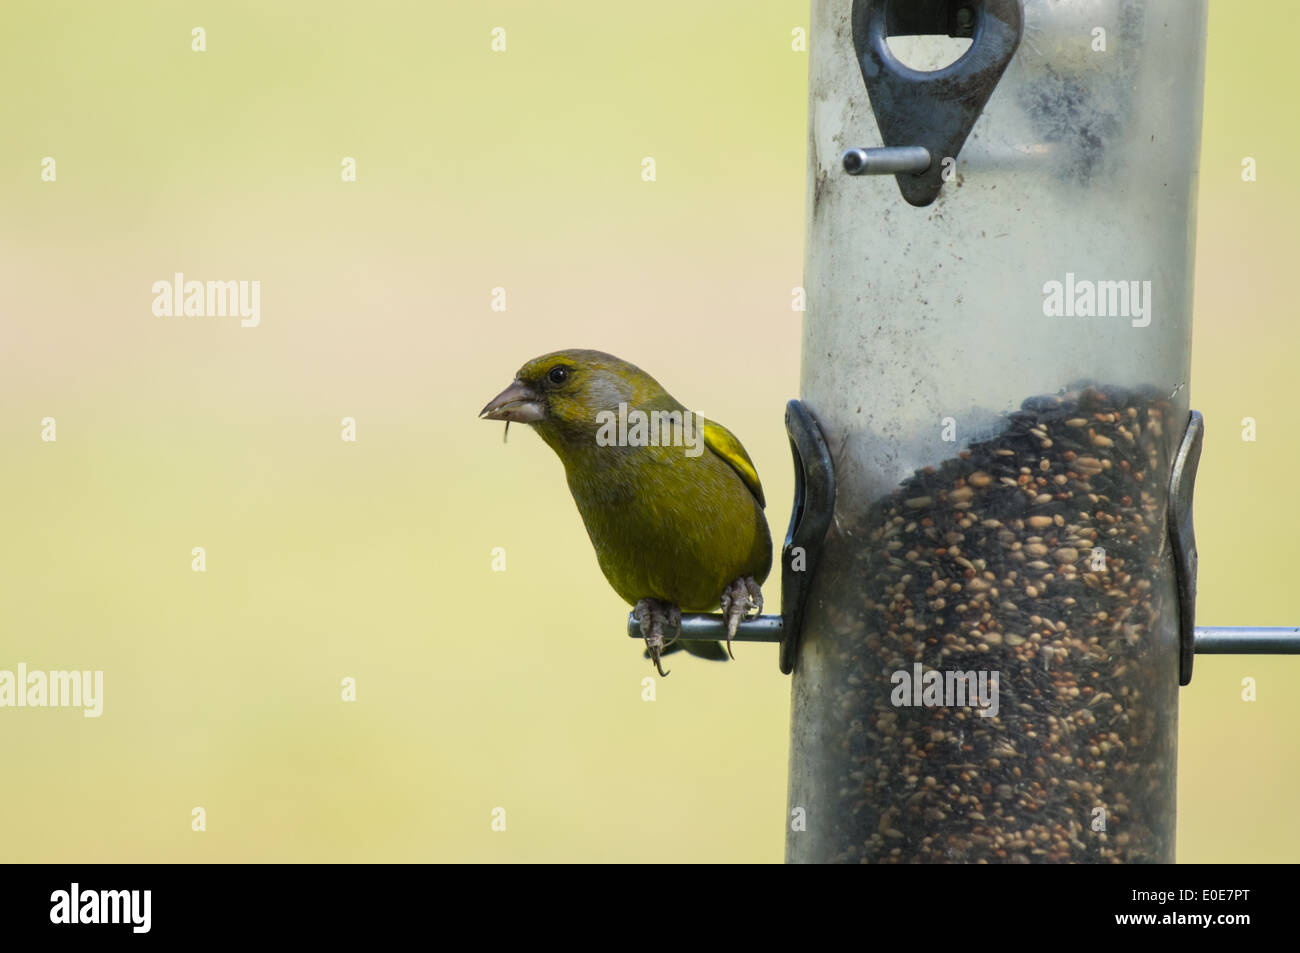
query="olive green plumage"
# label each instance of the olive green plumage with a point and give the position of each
(665, 524)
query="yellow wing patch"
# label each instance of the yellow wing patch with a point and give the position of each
(724, 443)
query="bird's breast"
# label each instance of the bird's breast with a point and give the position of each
(669, 526)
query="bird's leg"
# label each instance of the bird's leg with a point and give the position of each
(733, 607)
(755, 596)
(740, 596)
(654, 614)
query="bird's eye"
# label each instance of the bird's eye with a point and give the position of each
(558, 375)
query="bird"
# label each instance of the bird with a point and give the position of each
(671, 501)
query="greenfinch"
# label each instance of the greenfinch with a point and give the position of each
(671, 501)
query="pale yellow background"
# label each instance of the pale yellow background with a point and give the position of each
(373, 560)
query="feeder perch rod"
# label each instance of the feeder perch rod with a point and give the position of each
(887, 160)
(1210, 639)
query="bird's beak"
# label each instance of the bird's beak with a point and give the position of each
(518, 403)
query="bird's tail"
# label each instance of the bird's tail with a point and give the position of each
(713, 651)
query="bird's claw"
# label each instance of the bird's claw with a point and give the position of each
(653, 614)
(654, 657)
(738, 599)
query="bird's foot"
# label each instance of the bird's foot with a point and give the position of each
(655, 615)
(738, 599)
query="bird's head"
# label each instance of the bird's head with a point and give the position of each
(560, 394)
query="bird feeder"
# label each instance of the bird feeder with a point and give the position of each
(997, 351)
(989, 581)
